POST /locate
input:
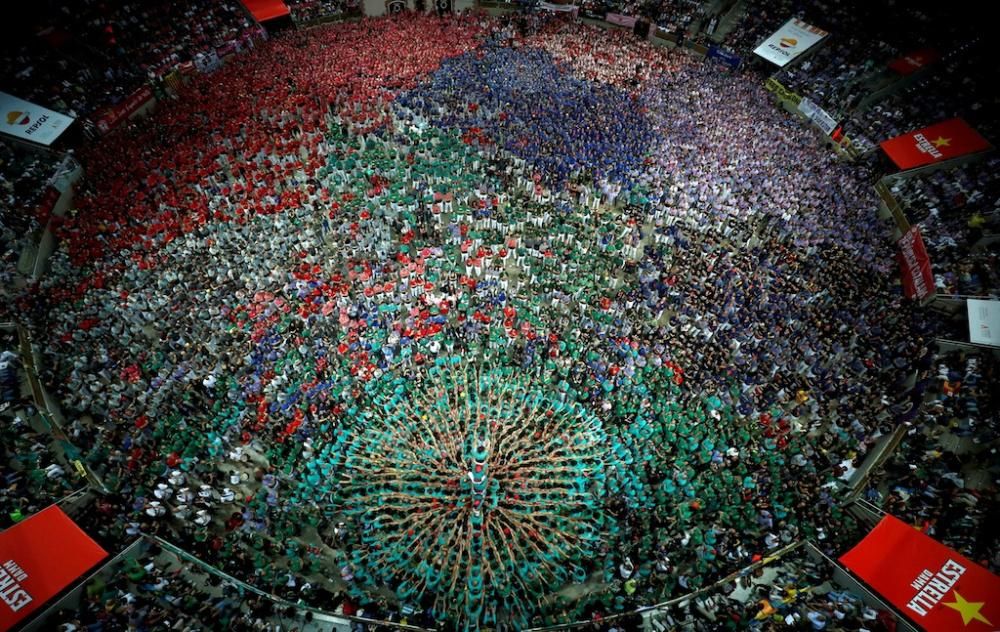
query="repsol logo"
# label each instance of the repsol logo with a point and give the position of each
(37, 124)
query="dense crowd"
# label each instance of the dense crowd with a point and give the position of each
(797, 592)
(944, 477)
(153, 590)
(79, 60)
(672, 15)
(24, 178)
(952, 86)
(33, 475)
(958, 212)
(307, 11)
(648, 319)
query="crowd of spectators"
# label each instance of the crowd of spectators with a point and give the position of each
(958, 212)
(33, 476)
(854, 59)
(943, 478)
(154, 590)
(952, 86)
(798, 591)
(309, 11)
(672, 15)
(250, 270)
(78, 59)
(25, 179)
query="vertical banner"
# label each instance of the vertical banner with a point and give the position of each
(27, 121)
(791, 40)
(946, 140)
(39, 557)
(915, 265)
(933, 585)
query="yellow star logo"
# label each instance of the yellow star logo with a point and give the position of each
(941, 141)
(968, 609)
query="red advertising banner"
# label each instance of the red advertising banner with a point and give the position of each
(933, 585)
(39, 557)
(264, 10)
(937, 143)
(911, 63)
(112, 116)
(915, 265)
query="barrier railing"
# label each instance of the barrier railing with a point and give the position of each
(892, 205)
(49, 412)
(662, 606)
(842, 575)
(874, 462)
(336, 619)
(790, 100)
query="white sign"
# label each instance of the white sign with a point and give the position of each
(817, 115)
(790, 41)
(984, 322)
(566, 8)
(29, 121)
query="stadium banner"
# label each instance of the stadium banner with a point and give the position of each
(984, 322)
(112, 116)
(565, 8)
(729, 58)
(933, 585)
(27, 121)
(264, 10)
(817, 115)
(39, 557)
(791, 40)
(621, 20)
(917, 60)
(943, 141)
(915, 266)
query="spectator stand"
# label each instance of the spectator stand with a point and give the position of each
(954, 89)
(954, 205)
(338, 622)
(306, 13)
(37, 186)
(860, 65)
(942, 474)
(33, 468)
(888, 81)
(46, 412)
(724, 20)
(665, 610)
(56, 200)
(790, 101)
(799, 581)
(871, 609)
(148, 572)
